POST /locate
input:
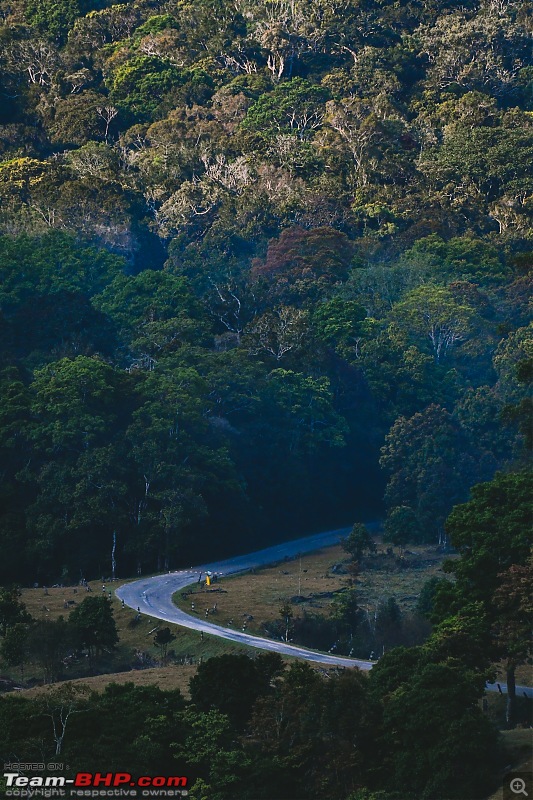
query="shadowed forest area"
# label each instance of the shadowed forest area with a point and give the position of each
(265, 269)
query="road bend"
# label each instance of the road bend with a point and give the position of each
(153, 596)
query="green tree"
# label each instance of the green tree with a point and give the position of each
(342, 324)
(388, 625)
(231, 684)
(140, 85)
(59, 705)
(492, 534)
(162, 639)
(12, 610)
(522, 412)
(463, 638)
(151, 715)
(208, 745)
(296, 107)
(480, 414)
(492, 163)
(81, 118)
(94, 624)
(346, 609)
(73, 403)
(461, 257)
(314, 736)
(403, 378)
(302, 411)
(155, 312)
(50, 641)
(368, 131)
(180, 467)
(359, 541)
(422, 455)
(15, 649)
(435, 739)
(286, 615)
(513, 350)
(434, 318)
(513, 624)
(402, 527)
(54, 18)
(426, 598)
(50, 263)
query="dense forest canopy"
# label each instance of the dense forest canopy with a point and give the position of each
(265, 267)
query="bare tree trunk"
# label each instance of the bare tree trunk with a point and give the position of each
(113, 562)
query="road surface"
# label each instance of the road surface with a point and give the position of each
(153, 596)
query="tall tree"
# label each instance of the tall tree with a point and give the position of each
(422, 455)
(492, 533)
(93, 622)
(434, 318)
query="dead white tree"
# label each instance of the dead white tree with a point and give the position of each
(37, 58)
(278, 332)
(59, 705)
(107, 114)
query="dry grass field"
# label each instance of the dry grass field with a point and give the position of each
(135, 641)
(253, 599)
(310, 582)
(176, 676)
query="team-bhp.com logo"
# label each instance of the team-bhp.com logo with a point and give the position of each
(95, 780)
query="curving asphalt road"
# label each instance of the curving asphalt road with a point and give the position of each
(153, 596)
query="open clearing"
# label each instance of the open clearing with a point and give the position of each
(171, 677)
(254, 600)
(136, 646)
